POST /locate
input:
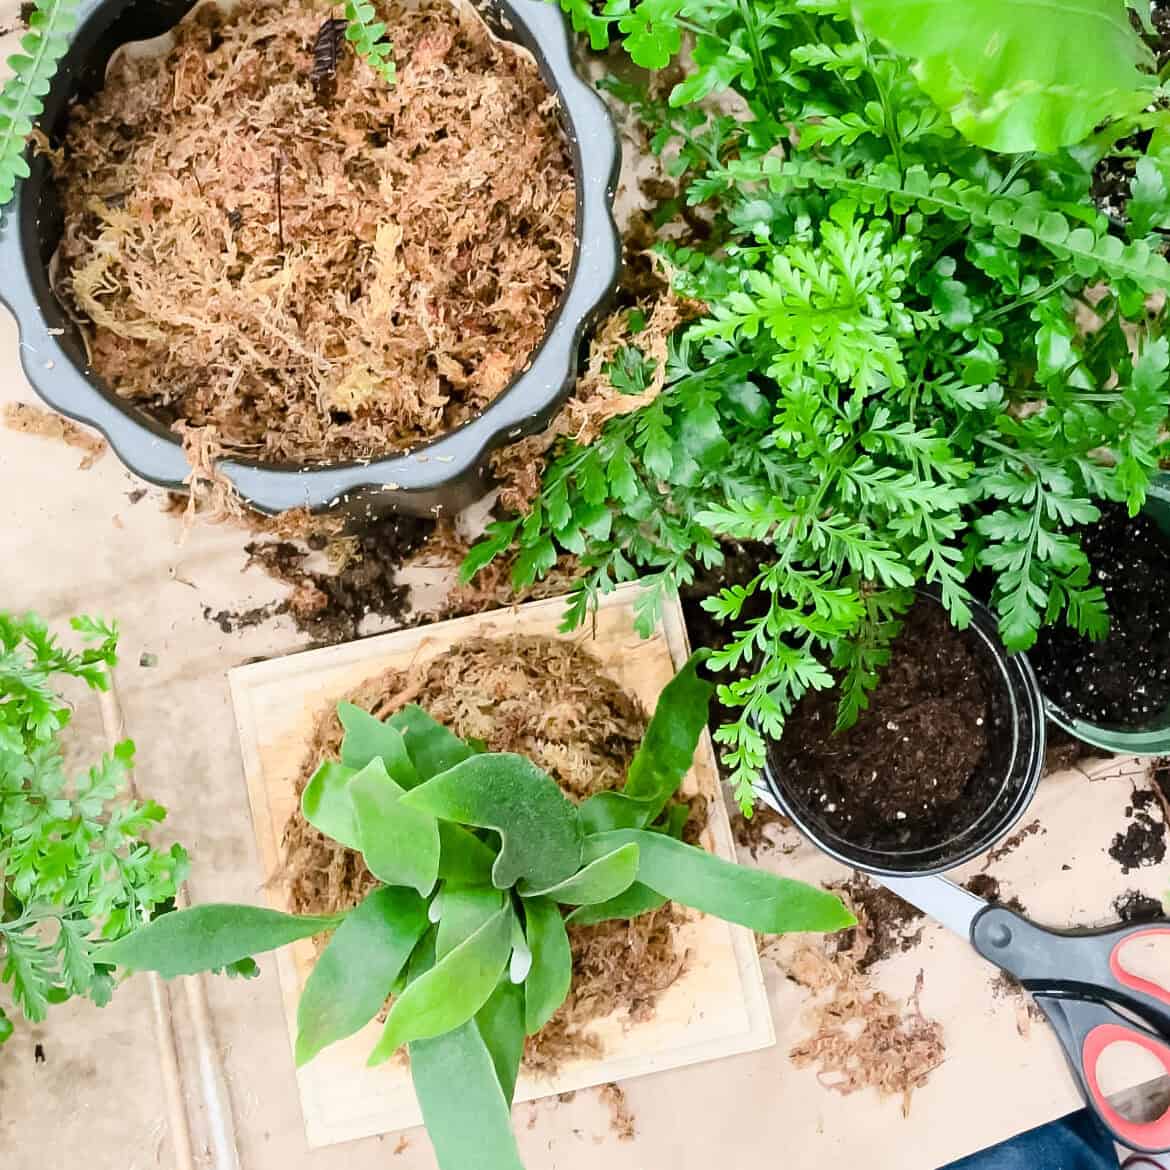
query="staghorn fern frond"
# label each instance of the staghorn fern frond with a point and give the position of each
(41, 48)
(366, 33)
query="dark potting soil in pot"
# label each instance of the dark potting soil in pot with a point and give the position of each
(1123, 680)
(315, 275)
(551, 701)
(914, 769)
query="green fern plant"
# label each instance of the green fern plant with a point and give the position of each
(41, 50)
(76, 869)
(367, 35)
(893, 384)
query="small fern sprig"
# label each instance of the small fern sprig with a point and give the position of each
(41, 49)
(366, 34)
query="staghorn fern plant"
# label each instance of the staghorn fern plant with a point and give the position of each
(478, 853)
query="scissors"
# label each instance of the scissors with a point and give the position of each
(1077, 979)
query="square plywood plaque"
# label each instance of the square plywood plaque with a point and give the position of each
(718, 1007)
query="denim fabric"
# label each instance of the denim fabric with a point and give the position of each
(1076, 1142)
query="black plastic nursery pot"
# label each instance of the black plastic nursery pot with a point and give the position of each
(1008, 775)
(443, 474)
(1149, 733)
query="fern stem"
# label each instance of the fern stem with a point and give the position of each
(747, 14)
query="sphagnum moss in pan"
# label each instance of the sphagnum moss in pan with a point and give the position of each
(319, 269)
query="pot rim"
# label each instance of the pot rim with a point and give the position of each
(1018, 681)
(443, 473)
(1153, 740)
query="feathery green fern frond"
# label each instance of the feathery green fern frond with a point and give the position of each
(366, 33)
(41, 48)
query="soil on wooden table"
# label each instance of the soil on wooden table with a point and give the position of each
(914, 768)
(1143, 841)
(549, 700)
(330, 606)
(316, 273)
(1123, 680)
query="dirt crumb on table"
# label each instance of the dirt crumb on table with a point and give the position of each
(860, 1037)
(621, 1119)
(1134, 906)
(359, 581)
(316, 280)
(1012, 843)
(1143, 841)
(27, 419)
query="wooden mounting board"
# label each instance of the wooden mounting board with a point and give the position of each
(717, 1008)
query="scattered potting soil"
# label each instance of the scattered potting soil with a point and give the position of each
(330, 606)
(549, 700)
(1134, 906)
(889, 925)
(1124, 679)
(1143, 841)
(1012, 843)
(861, 1037)
(316, 277)
(984, 886)
(231, 620)
(915, 767)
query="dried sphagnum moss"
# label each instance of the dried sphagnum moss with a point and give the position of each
(428, 229)
(549, 700)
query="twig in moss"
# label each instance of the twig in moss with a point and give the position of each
(276, 166)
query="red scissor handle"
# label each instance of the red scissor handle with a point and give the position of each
(1135, 982)
(1145, 1135)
